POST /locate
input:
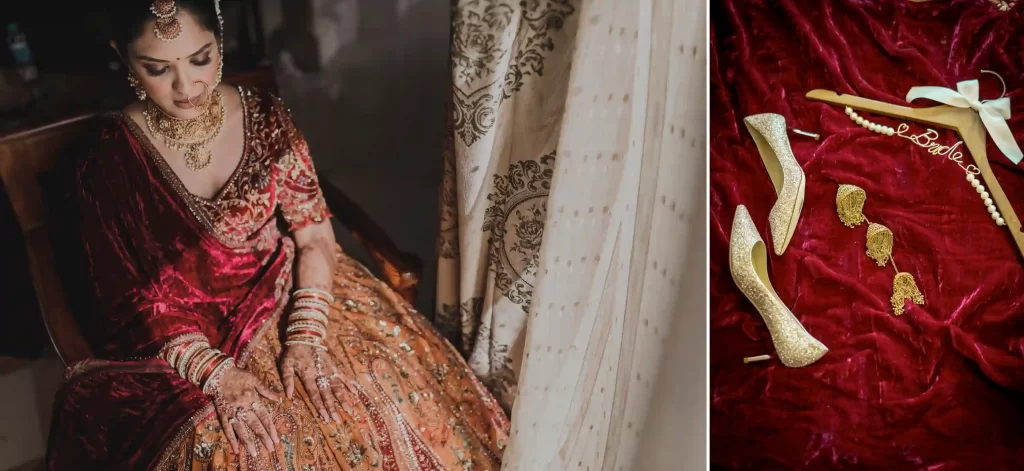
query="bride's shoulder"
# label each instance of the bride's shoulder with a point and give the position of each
(264, 104)
(252, 95)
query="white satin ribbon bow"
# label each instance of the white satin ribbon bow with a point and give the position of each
(994, 113)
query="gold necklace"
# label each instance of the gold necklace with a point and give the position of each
(190, 135)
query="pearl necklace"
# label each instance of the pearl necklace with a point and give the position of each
(973, 180)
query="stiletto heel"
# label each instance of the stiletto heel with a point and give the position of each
(748, 263)
(769, 133)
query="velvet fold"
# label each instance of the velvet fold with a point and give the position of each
(939, 387)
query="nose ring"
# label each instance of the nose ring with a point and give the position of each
(206, 91)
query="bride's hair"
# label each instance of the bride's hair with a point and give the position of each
(131, 18)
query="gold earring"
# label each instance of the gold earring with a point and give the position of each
(879, 243)
(850, 204)
(904, 288)
(136, 86)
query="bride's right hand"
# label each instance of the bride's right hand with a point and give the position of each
(242, 414)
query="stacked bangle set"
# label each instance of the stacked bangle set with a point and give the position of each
(307, 323)
(195, 360)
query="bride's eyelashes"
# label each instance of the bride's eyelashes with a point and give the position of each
(198, 62)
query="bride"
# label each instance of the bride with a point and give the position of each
(229, 331)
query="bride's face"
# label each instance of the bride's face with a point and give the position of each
(173, 72)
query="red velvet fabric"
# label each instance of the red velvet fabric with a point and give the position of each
(938, 388)
(162, 263)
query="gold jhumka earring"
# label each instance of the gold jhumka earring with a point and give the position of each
(850, 201)
(136, 86)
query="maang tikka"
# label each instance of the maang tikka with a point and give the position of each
(167, 28)
(850, 201)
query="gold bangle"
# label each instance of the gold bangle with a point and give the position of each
(199, 362)
(309, 309)
(303, 342)
(308, 317)
(307, 292)
(312, 302)
(212, 386)
(179, 340)
(306, 310)
(186, 357)
(299, 325)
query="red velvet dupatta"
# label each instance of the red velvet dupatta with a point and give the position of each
(163, 263)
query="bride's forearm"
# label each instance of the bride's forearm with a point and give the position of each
(315, 257)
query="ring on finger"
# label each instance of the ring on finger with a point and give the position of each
(257, 405)
(322, 382)
(232, 421)
(240, 414)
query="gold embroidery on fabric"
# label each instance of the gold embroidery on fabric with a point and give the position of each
(196, 204)
(454, 421)
(241, 214)
(305, 203)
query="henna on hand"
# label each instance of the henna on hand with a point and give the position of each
(319, 376)
(242, 413)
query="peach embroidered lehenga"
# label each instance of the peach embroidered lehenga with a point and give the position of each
(164, 262)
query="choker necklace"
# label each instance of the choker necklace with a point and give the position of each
(190, 135)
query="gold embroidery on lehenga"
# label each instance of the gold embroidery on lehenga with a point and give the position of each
(449, 424)
(402, 417)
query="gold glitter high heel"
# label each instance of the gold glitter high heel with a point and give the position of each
(748, 263)
(769, 133)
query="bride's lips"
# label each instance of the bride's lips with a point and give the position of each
(185, 105)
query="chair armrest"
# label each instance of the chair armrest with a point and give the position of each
(401, 270)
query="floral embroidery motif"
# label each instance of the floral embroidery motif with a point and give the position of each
(302, 202)
(516, 223)
(482, 38)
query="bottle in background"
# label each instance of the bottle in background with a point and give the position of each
(23, 62)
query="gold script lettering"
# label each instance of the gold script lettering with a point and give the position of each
(927, 140)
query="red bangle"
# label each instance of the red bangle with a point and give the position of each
(211, 367)
(296, 333)
(176, 352)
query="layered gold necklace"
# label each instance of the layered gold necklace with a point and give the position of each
(191, 135)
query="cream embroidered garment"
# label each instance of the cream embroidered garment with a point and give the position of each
(575, 168)
(510, 69)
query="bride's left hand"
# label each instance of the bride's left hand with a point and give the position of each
(325, 388)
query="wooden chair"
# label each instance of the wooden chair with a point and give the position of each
(27, 158)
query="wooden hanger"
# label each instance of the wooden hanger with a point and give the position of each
(965, 121)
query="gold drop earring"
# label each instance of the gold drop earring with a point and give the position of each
(136, 86)
(850, 201)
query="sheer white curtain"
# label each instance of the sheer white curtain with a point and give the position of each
(618, 278)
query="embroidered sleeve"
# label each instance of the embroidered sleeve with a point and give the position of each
(302, 201)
